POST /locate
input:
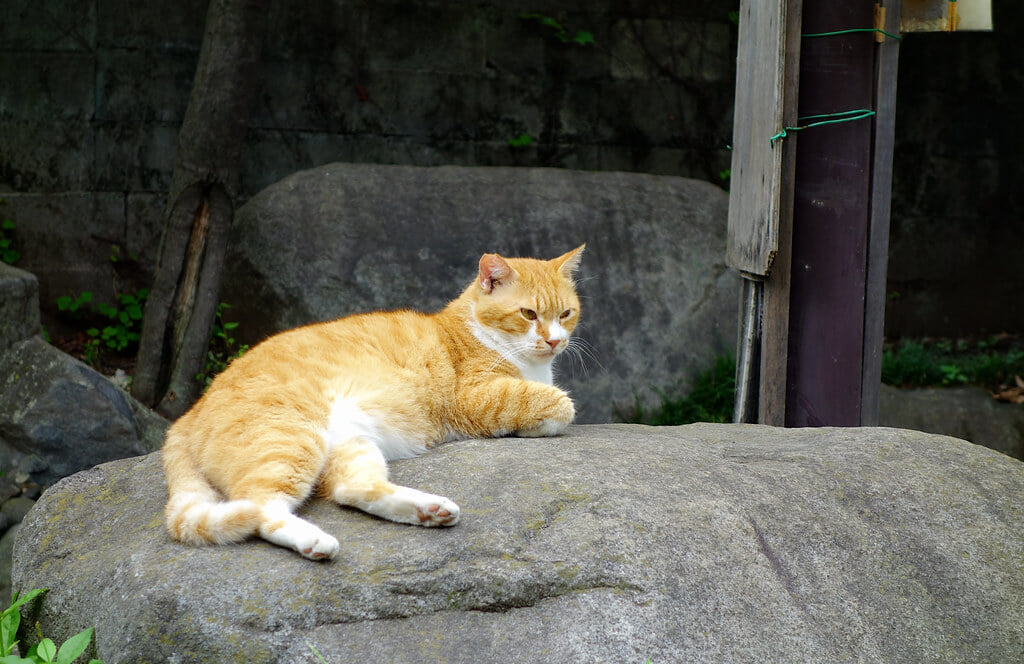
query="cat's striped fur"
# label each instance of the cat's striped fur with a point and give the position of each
(319, 410)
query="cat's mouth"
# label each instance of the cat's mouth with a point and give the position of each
(546, 350)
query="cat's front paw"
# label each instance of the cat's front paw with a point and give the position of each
(553, 421)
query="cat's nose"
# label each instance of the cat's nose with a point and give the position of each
(554, 343)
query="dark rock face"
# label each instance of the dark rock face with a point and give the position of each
(19, 305)
(58, 416)
(726, 543)
(658, 299)
(969, 413)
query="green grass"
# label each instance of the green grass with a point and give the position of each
(989, 362)
(992, 362)
(710, 400)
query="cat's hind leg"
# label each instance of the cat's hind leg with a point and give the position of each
(356, 475)
(280, 526)
(278, 483)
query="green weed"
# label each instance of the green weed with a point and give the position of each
(710, 400)
(112, 327)
(223, 347)
(44, 652)
(316, 652)
(125, 321)
(521, 141)
(989, 362)
(8, 254)
(559, 31)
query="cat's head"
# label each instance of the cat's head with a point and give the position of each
(526, 306)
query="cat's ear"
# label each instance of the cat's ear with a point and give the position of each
(494, 271)
(568, 263)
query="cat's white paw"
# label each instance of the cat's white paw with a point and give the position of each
(555, 420)
(292, 532)
(441, 513)
(544, 429)
(324, 547)
(416, 507)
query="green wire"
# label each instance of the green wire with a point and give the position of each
(842, 116)
(845, 32)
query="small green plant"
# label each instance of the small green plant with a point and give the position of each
(942, 363)
(125, 320)
(316, 652)
(74, 305)
(952, 374)
(8, 254)
(118, 327)
(559, 31)
(44, 652)
(710, 400)
(521, 141)
(223, 347)
(91, 352)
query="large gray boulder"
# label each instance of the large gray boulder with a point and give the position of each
(57, 415)
(658, 300)
(19, 305)
(614, 543)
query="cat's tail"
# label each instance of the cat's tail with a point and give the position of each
(195, 512)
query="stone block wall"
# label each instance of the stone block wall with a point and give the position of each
(94, 92)
(957, 237)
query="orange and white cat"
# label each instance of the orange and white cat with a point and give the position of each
(321, 409)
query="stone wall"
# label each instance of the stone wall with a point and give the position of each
(94, 93)
(957, 237)
(98, 90)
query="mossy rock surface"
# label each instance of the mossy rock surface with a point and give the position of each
(613, 543)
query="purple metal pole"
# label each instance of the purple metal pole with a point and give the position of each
(831, 213)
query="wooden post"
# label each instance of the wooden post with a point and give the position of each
(811, 226)
(756, 174)
(831, 207)
(761, 193)
(775, 295)
(887, 67)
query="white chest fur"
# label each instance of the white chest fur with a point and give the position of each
(349, 420)
(538, 370)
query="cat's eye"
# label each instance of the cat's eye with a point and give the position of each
(566, 314)
(528, 314)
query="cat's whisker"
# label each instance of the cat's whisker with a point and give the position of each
(513, 351)
(573, 361)
(583, 280)
(580, 350)
(585, 348)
